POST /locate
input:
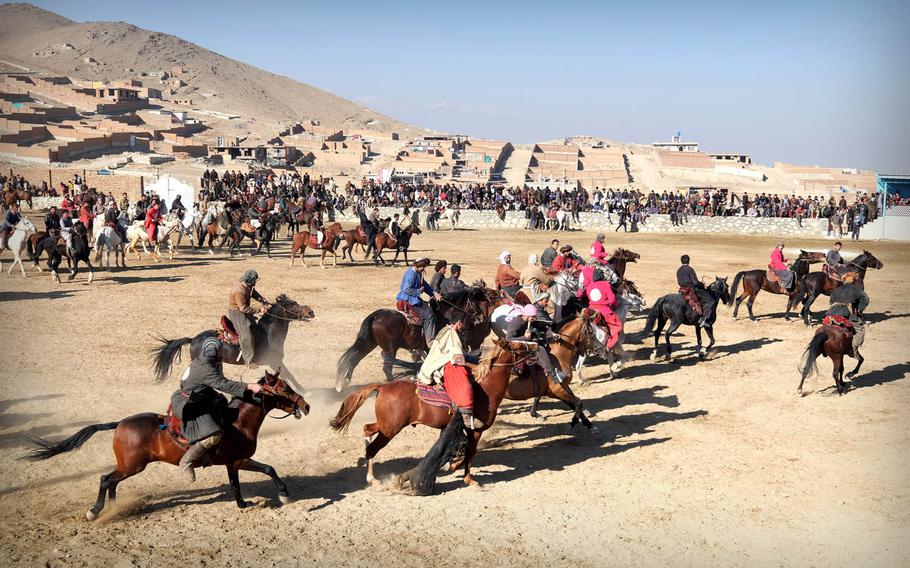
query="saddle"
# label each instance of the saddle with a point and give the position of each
(174, 427)
(407, 310)
(435, 395)
(227, 333)
(248, 228)
(313, 242)
(772, 276)
(840, 321)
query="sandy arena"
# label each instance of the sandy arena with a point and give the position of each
(697, 463)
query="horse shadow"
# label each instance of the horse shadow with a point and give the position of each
(887, 374)
(51, 295)
(4, 404)
(137, 279)
(880, 317)
(612, 401)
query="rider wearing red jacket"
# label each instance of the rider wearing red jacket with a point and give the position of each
(602, 300)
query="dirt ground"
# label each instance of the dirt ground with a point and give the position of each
(714, 462)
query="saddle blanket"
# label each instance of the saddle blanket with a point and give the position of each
(405, 309)
(435, 395)
(314, 242)
(226, 332)
(839, 321)
(174, 427)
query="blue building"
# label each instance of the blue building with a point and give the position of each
(894, 185)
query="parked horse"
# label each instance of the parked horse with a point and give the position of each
(304, 238)
(398, 405)
(754, 281)
(673, 308)
(271, 332)
(142, 439)
(815, 284)
(17, 242)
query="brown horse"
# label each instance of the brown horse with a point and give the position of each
(354, 237)
(142, 439)
(618, 260)
(397, 404)
(401, 244)
(818, 283)
(11, 196)
(831, 341)
(575, 338)
(302, 239)
(390, 331)
(754, 281)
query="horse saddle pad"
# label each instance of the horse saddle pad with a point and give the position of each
(772, 276)
(405, 309)
(434, 395)
(839, 321)
(248, 228)
(313, 242)
(227, 333)
(174, 427)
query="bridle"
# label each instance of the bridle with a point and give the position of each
(272, 391)
(300, 316)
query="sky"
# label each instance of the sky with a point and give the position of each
(810, 82)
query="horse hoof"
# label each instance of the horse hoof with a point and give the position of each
(538, 417)
(654, 356)
(91, 515)
(284, 499)
(243, 504)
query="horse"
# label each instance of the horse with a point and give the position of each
(401, 244)
(11, 196)
(80, 251)
(675, 309)
(169, 230)
(267, 230)
(56, 251)
(831, 341)
(354, 237)
(107, 238)
(618, 260)
(390, 331)
(270, 336)
(453, 215)
(221, 225)
(754, 281)
(398, 405)
(817, 283)
(304, 238)
(17, 241)
(142, 439)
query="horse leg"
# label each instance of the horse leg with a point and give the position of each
(859, 363)
(749, 305)
(534, 413)
(374, 440)
(91, 270)
(108, 486)
(579, 365)
(807, 308)
(660, 327)
(739, 301)
(252, 465)
(674, 325)
(700, 350)
(19, 261)
(838, 360)
(234, 480)
(387, 364)
(710, 332)
(469, 452)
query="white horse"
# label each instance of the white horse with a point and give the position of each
(109, 238)
(168, 231)
(453, 215)
(563, 287)
(16, 243)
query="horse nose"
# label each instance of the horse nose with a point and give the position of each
(306, 408)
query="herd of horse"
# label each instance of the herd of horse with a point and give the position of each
(505, 372)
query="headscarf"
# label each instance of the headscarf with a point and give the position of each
(529, 310)
(503, 255)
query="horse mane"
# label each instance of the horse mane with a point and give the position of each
(485, 365)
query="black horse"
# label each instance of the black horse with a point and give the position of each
(390, 331)
(270, 336)
(675, 309)
(404, 242)
(267, 231)
(815, 284)
(80, 251)
(56, 252)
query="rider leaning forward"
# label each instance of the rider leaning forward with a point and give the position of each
(241, 313)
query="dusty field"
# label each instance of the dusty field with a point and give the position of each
(713, 462)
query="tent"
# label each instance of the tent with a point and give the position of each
(167, 188)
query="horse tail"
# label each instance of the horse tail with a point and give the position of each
(47, 449)
(809, 365)
(652, 316)
(739, 276)
(355, 353)
(423, 477)
(165, 354)
(351, 405)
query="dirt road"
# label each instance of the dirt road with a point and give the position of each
(715, 462)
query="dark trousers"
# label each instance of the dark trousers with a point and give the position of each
(428, 319)
(708, 303)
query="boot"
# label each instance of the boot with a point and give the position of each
(470, 422)
(189, 460)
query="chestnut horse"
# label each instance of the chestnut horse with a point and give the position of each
(398, 405)
(302, 239)
(754, 281)
(353, 237)
(834, 342)
(399, 245)
(390, 331)
(142, 439)
(818, 283)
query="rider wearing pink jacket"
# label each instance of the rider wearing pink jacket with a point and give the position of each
(602, 300)
(598, 252)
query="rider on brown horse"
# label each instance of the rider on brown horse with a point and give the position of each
(834, 261)
(779, 266)
(200, 407)
(695, 293)
(241, 313)
(412, 285)
(847, 303)
(445, 363)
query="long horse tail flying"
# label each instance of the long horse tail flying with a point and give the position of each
(809, 364)
(739, 276)
(423, 477)
(652, 316)
(351, 405)
(165, 354)
(355, 353)
(47, 449)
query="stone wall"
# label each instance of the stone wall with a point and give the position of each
(115, 184)
(655, 223)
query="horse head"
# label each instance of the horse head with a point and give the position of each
(626, 255)
(870, 260)
(28, 225)
(810, 257)
(721, 289)
(287, 309)
(280, 395)
(630, 294)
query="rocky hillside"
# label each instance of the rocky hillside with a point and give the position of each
(47, 42)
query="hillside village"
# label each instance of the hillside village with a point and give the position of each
(96, 115)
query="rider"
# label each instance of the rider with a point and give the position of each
(241, 313)
(152, 219)
(598, 252)
(13, 217)
(112, 219)
(52, 221)
(695, 293)
(445, 362)
(412, 285)
(507, 278)
(602, 300)
(848, 301)
(565, 261)
(177, 207)
(373, 226)
(549, 255)
(439, 274)
(533, 276)
(779, 266)
(199, 406)
(453, 284)
(523, 328)
(833, 260)
(369, 229)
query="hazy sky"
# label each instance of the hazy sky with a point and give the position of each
(807, 82)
